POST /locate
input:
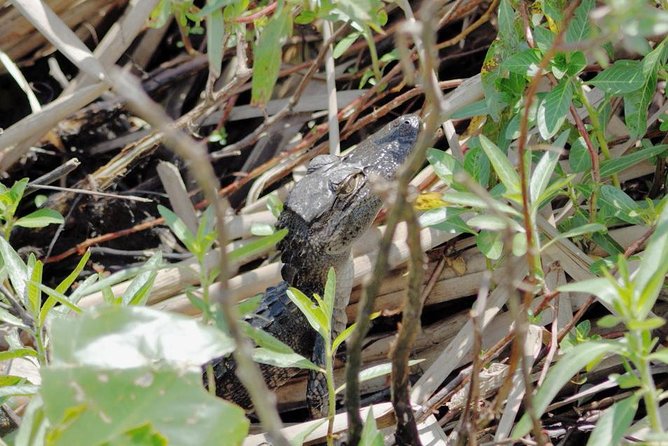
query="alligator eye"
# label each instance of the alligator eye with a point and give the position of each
(350, 184)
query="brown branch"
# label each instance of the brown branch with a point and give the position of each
(407, 433)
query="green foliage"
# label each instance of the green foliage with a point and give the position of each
(10, 198)
(114, 357)
(630, 297)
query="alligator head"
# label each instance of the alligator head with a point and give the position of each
(334, 204)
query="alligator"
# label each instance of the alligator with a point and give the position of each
(330, 208)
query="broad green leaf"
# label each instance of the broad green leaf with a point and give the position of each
(647, 324)
(444, 164)
(284, 360)
(613, 166)
(614, 422)
(621, 205)
(571, 363)
(624, 76)
(371, 436)
(18, 390)
(100, 405)
(637, 103)
(215, 39)
(59, 297)
(140, 435)
(314, 315)
(579, 28)
(579, 159)
(502, 166)
(507, 20)
(490, 243)
(477, 164)
(660, 355)
(493, 223)
(256, 246)
(40, 218)
(653, 265)
(524, 62)
(129, 338)
(268, 54)
(139, 290)
(553, 109)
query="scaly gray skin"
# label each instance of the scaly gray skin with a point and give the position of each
(325, 213)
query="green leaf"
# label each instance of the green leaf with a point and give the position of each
(553, 109)
(601, 288)
(660, 355)
(614, 166)
(609, 321)
(524, 62)
(300, 438)
(215, 39)
(330, 294)
(139, 290)
(33, 293)
(314, 315)
(477, 165)
(575, 232)
(8, 318)
(578, 156)
(444, 165)
(256, 246)
(262, 229)
(579, 28)
(101, 405)
(478, 108)
(647, 324)
(490, 243)
(267, 52)
(15, 195)
(614, 422)
(502, 166)
(342, 337)
(40, 218)
(542, 174)
(17, 353)
(264, 339)
(14, 266)
(624, 76)
(179, 228)
(113, 337)
(571, 363)
(144, 435)
(469, 199)
(649, 278)
(371, 436)
(377, 371)
(620, 204)
(637, 104)
(62, 287)
(284, 360)
(345, 43)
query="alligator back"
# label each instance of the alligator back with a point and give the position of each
(278, 316)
